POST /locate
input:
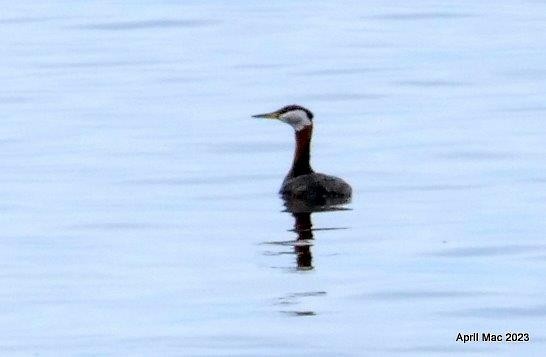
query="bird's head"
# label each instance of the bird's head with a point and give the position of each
(295, 115)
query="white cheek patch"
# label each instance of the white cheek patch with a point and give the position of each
(298, 119)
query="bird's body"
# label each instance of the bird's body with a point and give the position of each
(315, 187)
(302, 182)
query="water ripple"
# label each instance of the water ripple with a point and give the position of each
(489, 251)
(448, 350)
(409, 188)
(339, 71)
(419, 16)
(523, 109)
(27, 20)
(148, 24)
(478, 155)
(204, 180)
(416, 294)
(538, 311)
(94, 64)
(334, 97)
(117, 226)
(433, 83)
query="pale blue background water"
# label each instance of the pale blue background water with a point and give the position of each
(138, 198)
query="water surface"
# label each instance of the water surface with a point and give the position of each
(138, 199)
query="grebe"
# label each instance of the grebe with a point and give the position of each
(302, 182)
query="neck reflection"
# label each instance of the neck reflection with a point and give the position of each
(302, 247)
(303, 227)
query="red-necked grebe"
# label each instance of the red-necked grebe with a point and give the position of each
(301, 181)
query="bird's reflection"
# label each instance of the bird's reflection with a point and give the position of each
(303, 226)
(302, 247)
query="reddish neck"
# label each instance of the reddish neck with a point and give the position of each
(302, 154)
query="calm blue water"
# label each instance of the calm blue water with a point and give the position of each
(138, 205)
